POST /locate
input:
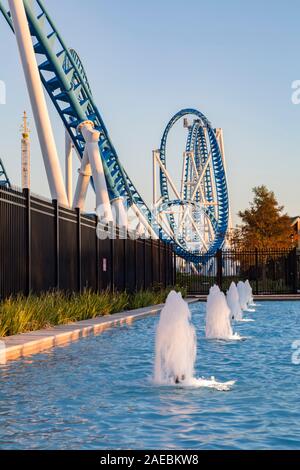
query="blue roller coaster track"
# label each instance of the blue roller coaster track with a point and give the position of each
(65, 80)
(202, 142)
(4, 180)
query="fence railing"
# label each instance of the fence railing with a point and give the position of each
(44, 246)
(269, 271)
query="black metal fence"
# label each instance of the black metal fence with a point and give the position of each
(269, 271)
(44, 246)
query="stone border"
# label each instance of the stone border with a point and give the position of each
(262, 297)
(280, 297)
(15, 347)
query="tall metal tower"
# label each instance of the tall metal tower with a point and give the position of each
(25, 148)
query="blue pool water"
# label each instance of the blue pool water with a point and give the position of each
(97, 393)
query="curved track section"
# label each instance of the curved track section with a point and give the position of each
(66, 83)
(211, 196)
(80, 67)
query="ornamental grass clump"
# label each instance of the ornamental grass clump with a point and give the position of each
(22, 314)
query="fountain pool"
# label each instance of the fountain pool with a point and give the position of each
(98, 393)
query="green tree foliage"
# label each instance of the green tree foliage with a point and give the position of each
(264, 224)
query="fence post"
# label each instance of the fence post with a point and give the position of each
(166, 264)
(219, 269)
(145, 266)
(159, 261)
(256, 271)
(56, 218)
(125, 262)
(295, 270)
(152, 262)
(135, 264)
(79, 253)
(112, 264)
(297, 255)
(28, 240)
(174, 261)
(97, 257)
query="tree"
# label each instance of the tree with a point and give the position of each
(265, 226)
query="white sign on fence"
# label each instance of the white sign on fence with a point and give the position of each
(104, 265)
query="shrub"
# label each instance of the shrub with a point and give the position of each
(22, 314)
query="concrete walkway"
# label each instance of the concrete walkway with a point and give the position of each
(14, 347)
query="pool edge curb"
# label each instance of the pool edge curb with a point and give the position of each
(35, 342)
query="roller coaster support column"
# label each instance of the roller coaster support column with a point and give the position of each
(38, 102)
(83, 182)
(220, 139)
(140, 230)
(120, 213)
(91, 137)
(69, 169)
(155, 154)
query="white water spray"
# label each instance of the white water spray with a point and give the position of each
(243, 295)
(175, 348)
(175, 342)
(250, 300)
(233, 302)
(218, 325)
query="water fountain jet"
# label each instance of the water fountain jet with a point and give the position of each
(175, 348)
(218, 325)
(242, 295)
(233, 302)
(175, 342)
(249, 291)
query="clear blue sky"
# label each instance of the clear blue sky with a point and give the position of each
(233, 60)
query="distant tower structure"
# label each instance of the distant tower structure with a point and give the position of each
(25, 146)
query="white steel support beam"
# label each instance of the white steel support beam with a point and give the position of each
(155, 155)
(69, 168)
(201, 176)
(220, 139)
(91, 137)
(163, 168)
(183, 175)
(38, 102)
(197, 230)
(140, 230)
(119, 213)
(83, 182)
(144, 221)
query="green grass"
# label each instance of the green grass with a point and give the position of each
(23, 314)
